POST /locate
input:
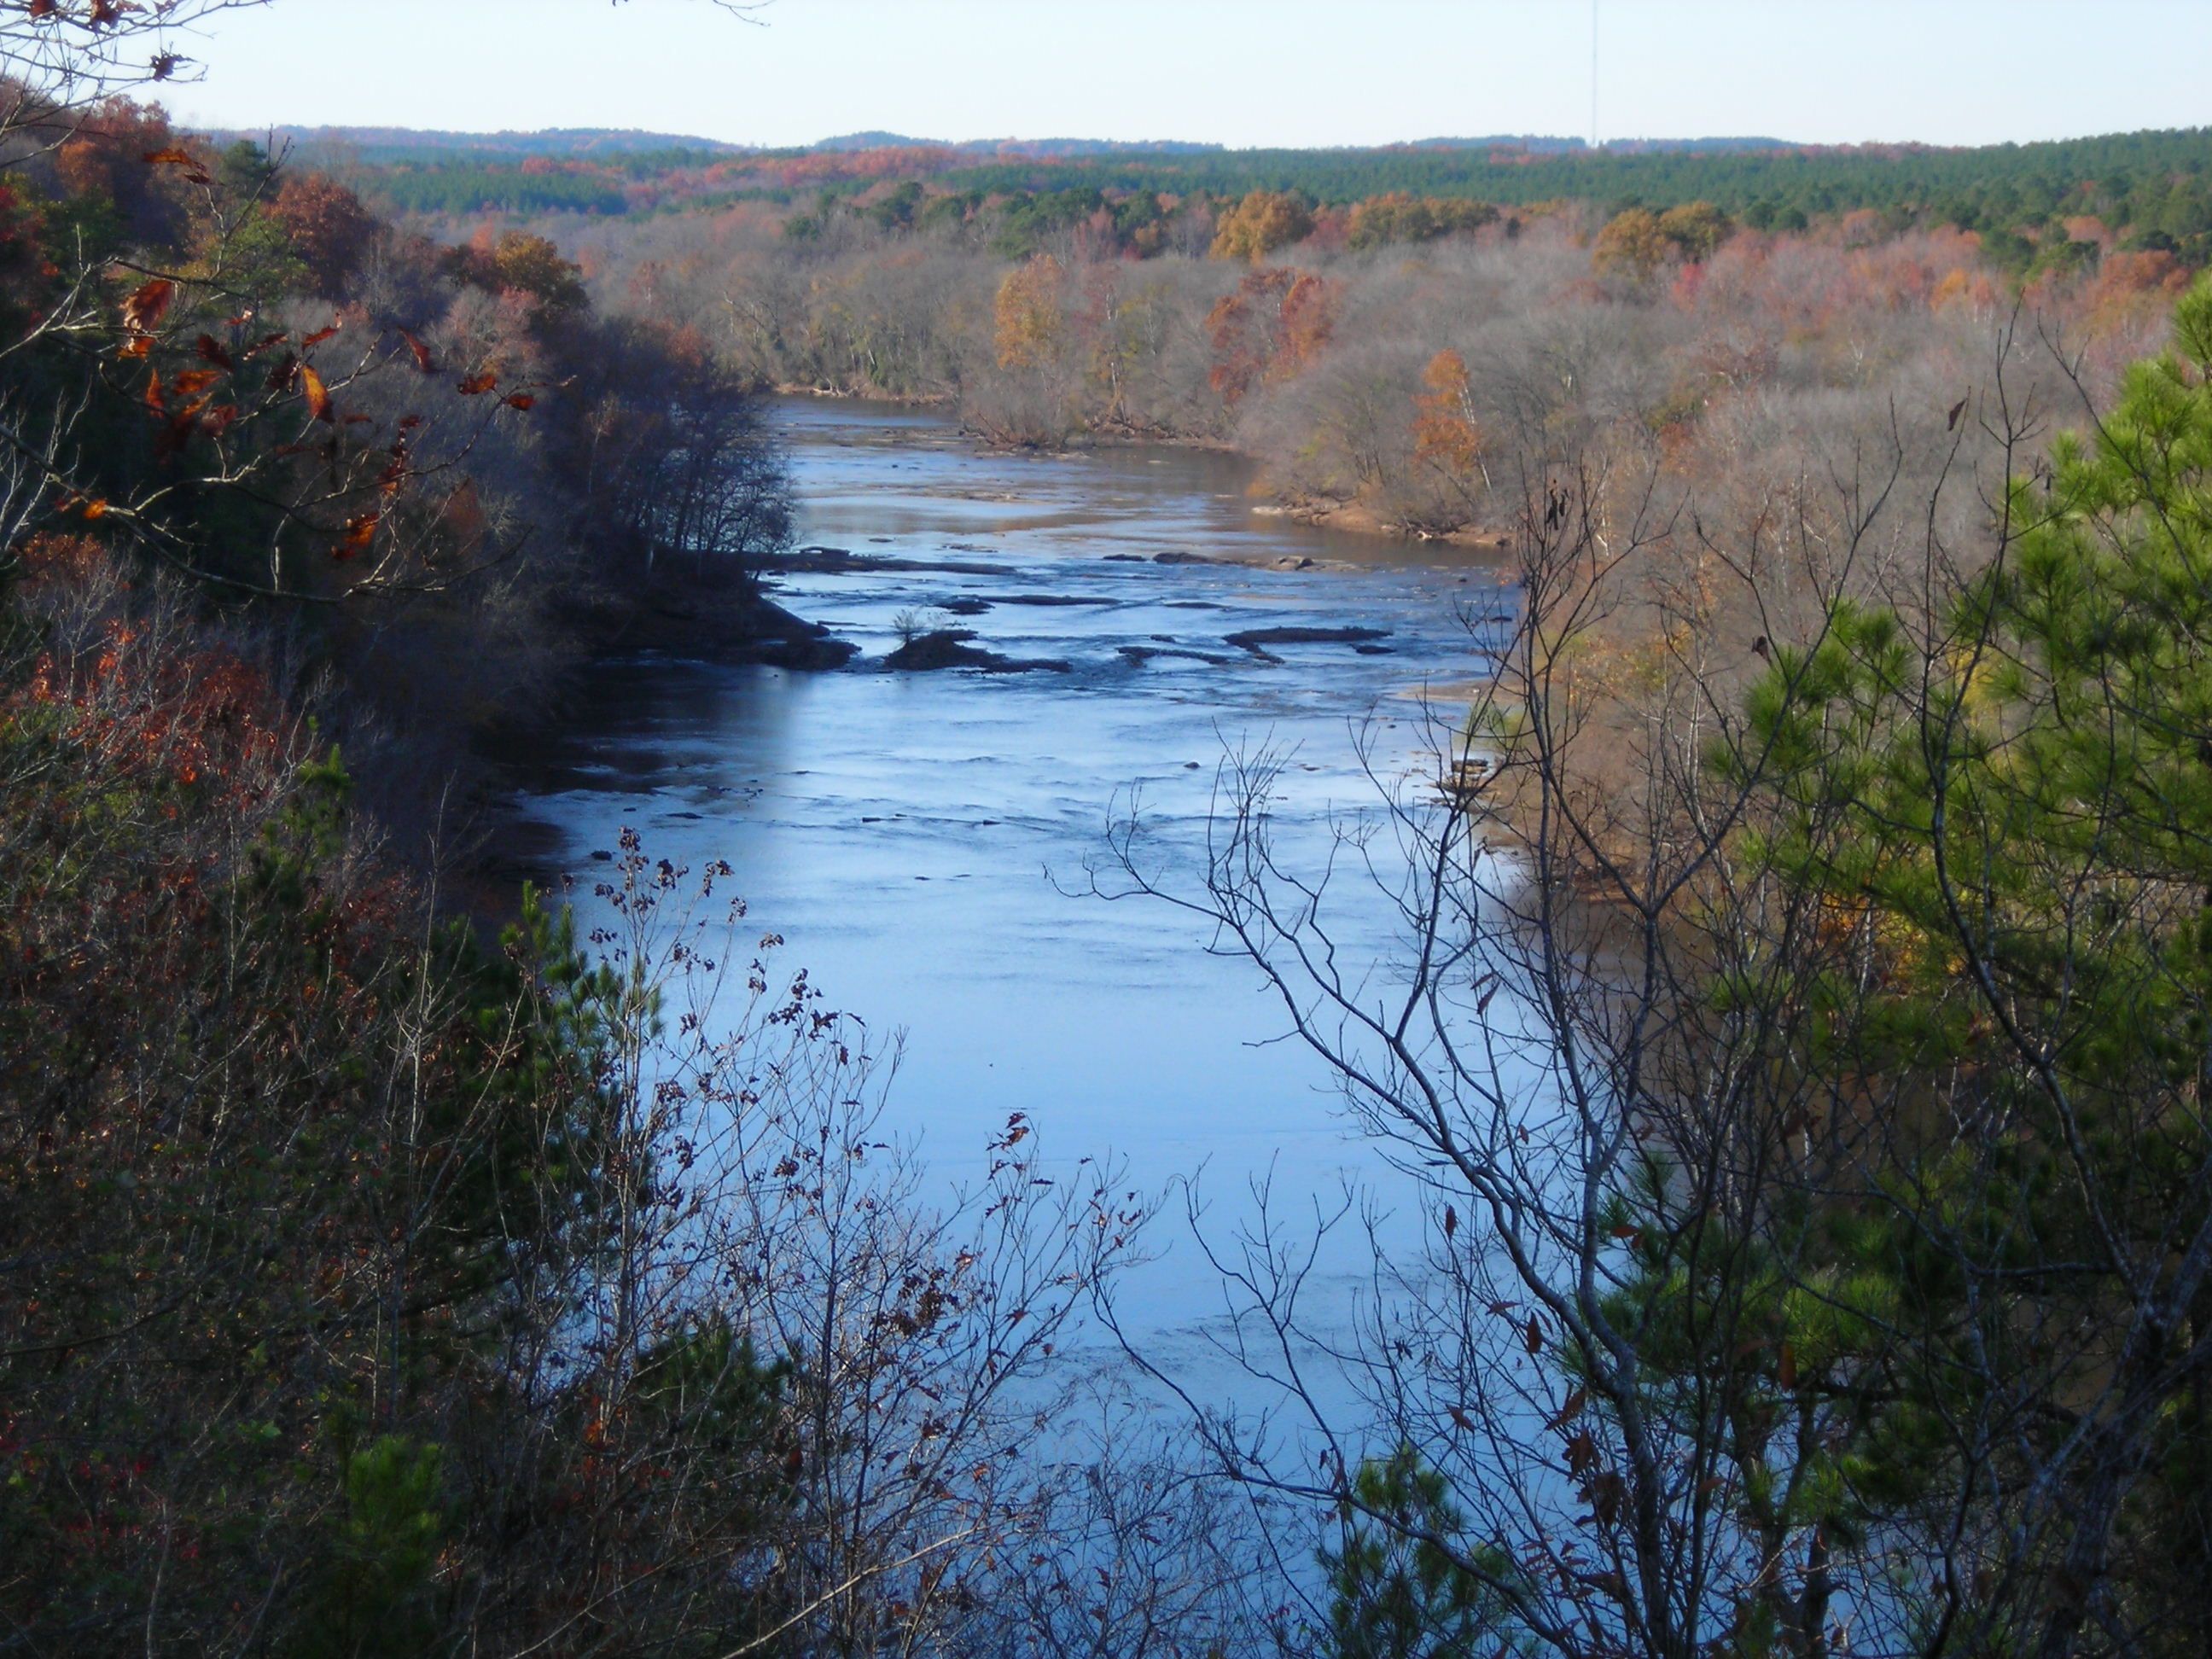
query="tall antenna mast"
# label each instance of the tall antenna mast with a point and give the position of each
(1594, 5)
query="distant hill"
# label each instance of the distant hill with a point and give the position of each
(402, 146)
(1054, 148)
(2147, 191)
(385, 146)
(858, 141)
(1691, 146)
(1534, 143)
(1043, 149)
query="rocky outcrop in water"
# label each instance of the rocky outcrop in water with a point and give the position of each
(1257, 639)
(951, 647)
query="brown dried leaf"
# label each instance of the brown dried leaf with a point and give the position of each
(175, 434)
(143, 311)
(1571, 1410)
(317, 394)
(360, 533)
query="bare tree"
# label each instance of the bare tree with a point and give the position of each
(1733, 1321)
(59, 59)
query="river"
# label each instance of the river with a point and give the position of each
(921, 841)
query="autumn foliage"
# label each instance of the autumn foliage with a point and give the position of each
(1028, 316)
(1274, 324)
(328, 226)
(1262, 222)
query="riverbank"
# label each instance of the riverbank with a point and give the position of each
(1358, 518)
(1345, 518)
(725, 618)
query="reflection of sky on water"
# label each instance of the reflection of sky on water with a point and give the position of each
(909, 835)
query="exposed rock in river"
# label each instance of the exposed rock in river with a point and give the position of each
(950, 647)
(1257, 639)
(843, 561)
(721, 624)
(1141, 654)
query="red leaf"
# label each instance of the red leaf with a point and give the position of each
(193, 382)
(164, 158)
(520, 400)
(174, 434)
(422, 359)
(317, 394)
(211, 350)
(360, 533)
(143, 311)
(475, 383)
(319, 336)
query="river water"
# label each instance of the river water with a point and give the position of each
(921, 841)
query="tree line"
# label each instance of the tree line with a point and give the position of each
(2149, 189)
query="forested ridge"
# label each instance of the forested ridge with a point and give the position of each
(2150, 186)
(1375, 358)
(1796, 1064)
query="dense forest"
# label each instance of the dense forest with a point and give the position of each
(1380, 362)
(1797, 1064)
(2148, 189)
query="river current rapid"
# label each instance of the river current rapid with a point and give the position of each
(923, 841)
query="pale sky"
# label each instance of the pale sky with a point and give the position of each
(1242, 72)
